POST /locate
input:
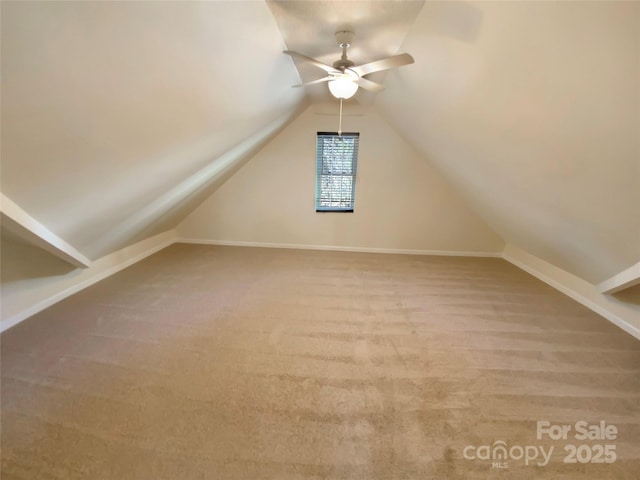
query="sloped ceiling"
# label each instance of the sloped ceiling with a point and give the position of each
(532, 110)
(116, 114)
(309, 28)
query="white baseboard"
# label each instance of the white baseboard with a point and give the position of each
(626, 317)
(99, 270)
(397, 251)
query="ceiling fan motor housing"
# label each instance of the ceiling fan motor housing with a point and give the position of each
(343, 64)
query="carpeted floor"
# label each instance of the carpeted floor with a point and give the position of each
(206, 362)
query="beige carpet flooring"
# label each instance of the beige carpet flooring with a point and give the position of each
(205, 362)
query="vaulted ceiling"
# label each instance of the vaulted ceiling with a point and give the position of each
(118, 118)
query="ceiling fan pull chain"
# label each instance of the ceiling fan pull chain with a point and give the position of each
(340, 122)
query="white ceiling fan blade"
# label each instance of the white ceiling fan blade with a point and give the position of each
(312, 61)
(369, 85)
(313, 82)
(384, 64)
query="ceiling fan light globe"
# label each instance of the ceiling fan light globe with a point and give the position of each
(343, 87)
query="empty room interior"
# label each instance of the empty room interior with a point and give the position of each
(320, 240)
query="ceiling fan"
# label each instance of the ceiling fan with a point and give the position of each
(345, 76)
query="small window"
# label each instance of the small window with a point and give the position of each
(336, 160)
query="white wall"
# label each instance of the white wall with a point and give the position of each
(401, 204)
(621, 311)
(33, 279)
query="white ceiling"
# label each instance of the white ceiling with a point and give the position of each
(118, 117)
(309, 28)
(110, 109)
(536, 121)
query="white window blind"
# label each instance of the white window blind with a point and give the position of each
(336, 165)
